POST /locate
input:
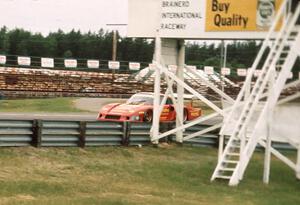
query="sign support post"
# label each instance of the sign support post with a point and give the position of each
(267, 161)
(180, 90)
(156, 103)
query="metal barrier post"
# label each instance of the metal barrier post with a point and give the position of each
(126, 133)
(37, 133)
(82, 136)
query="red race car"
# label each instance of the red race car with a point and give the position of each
(139, 108)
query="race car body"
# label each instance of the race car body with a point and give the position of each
(139, 108)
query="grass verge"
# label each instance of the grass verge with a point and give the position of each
(62, 105)
(122, 176)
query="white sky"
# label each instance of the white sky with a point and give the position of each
(50, 15)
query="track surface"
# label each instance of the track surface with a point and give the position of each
(91, 105)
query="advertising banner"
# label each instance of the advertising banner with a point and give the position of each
(24, 61)
(209, 70)
(192, 67)
(134, 66)
(225, 71)
(70, 63)
(114, 65)
(241, 15)
(93, 64)
(47, 62)
(2, 59)
(202, 19)
(242, 72)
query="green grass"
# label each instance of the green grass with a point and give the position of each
(123, 176)
(39, 105)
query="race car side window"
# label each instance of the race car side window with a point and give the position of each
(169, 101)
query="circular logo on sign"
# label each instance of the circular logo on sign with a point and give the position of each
(265, 12)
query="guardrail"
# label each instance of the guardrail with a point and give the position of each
(54, 133)
(16, 133)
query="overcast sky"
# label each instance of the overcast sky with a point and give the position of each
(50, 15)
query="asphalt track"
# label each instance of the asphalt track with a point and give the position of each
(91, 105)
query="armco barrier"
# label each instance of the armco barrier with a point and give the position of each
(139, 133)
(51, 133)
(54, 133)
(16, 133)
(105, 133)
(60, 133)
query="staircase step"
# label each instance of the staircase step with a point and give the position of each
(233, 154)
(230, 161)
(223, 177)
(227, 169)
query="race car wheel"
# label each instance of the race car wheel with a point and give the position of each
(148, 116)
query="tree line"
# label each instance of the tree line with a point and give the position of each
(98, 45)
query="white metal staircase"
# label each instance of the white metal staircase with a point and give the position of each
(281, 57)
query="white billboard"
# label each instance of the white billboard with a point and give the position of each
(24, 61)
(209, 70)
(2, 59)
(242, 72)
(201, 19)
(225, 71)
(70, 63)
(93, 64)
(134, 66)
(115, 65)
(192, 67)
(47, 62)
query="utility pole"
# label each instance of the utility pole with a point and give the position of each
(225, 55)
(114, 46)
(114, 51)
